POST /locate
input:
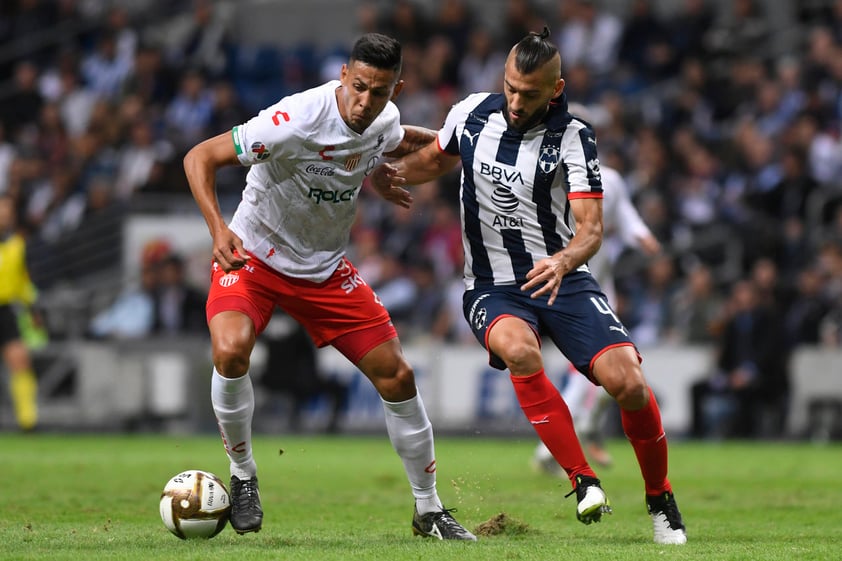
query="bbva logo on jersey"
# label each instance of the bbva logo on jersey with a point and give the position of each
(548, 158)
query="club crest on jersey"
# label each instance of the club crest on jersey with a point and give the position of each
(228, 280)
(593, 165)
(259, 150)
(548, 158)
(352, 161)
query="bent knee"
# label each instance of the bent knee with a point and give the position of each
(232, 356)
(632, 394)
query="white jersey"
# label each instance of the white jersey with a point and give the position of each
(622, 226)
(307, 168)
(516, 187)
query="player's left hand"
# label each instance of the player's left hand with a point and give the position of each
(548, 271)
(388, 184)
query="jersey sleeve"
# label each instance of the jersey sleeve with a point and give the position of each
(267, 135)
(394, 131)
(578, 152)
(448, 137)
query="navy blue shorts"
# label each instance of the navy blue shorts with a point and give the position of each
(580, 322)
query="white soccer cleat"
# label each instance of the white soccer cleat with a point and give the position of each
(592, 501)
(666, 519)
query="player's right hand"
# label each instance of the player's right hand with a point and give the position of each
(228, 250)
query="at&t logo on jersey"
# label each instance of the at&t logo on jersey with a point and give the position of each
(503, 197)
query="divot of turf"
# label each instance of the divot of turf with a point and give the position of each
(501, 524)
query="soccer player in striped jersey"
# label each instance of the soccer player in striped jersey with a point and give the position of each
(623, 227)
(531, 199)
(285, 246)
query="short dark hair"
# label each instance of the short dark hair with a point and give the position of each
(534, 50)
(379, 51)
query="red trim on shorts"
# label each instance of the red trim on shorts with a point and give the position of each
(356, 344)
(493, 323)
(608, 348)
(235, 303)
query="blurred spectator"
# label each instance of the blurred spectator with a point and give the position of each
(649, 319)
(406, 21)
(645, 45)
(198, 39)
(688, 28)
(76, 102)
(132, 314)
(697, 307)
(8, 152)
(589, 36)
(137, 158)
(746, 396)
(106, 69)
(520, 17)
(743, 29)
(189, 113)
(23, 105)
(425, 319)
(479, 69)
(179, 308)
(809, 308)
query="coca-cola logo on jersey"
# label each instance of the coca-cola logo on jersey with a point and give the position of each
(319, 170)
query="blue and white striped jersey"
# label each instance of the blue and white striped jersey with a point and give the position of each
(516, 187)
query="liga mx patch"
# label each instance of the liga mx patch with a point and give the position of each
(259, 150)
(548, 158)
(352, 161)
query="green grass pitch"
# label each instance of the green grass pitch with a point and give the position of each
(338, 498)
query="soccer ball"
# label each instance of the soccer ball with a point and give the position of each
(195, 504)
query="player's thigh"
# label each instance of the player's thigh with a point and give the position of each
(584, 327)
(504, 323)
(618, 371)
(340, 310)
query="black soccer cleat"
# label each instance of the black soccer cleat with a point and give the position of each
(246, 513)
(666, 519)
(591, 500)
(440, 525)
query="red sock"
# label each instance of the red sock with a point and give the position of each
(646, 434)
(551, 419)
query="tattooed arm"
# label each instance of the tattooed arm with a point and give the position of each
(414, 138)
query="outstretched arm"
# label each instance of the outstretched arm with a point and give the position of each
(420, 166)
(200, 166)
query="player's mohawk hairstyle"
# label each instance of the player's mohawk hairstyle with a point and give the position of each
(534, 50)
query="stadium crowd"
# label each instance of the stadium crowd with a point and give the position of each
(731, 148)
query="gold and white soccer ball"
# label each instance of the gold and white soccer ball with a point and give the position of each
(195, 504)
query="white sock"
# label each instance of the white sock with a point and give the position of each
(411, 434)
(233, 404)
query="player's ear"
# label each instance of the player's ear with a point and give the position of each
(397, 90)
(343, 73)
(559, 87)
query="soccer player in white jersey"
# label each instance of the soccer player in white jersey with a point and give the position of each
(622, 227)
(531, 218)
(285, 246)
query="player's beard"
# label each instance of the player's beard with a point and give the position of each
(527, 124)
